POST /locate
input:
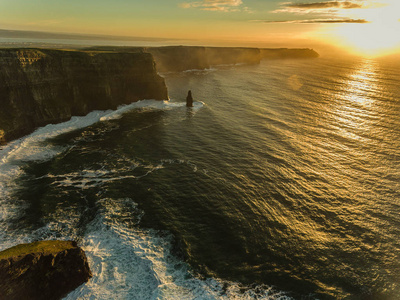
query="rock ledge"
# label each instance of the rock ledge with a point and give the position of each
(42, 270)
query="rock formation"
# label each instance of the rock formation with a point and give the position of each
(189, 99)
(42, 270)
(42, 86)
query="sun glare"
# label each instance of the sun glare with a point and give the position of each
(380, 36)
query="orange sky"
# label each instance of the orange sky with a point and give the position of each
(368, 27)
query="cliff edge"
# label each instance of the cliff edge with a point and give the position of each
(42, 86)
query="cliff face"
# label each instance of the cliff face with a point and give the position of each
(181, 58)
(42, 86)
(280, 53)
(42, 270)
(228, 55)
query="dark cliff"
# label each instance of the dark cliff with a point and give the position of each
(42, 270)
(42, 86)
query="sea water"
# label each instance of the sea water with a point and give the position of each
(282, 182)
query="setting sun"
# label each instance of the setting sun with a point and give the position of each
(379, 37)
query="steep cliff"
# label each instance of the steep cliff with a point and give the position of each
(232, 55)
(42, 270)
(42, 86)
(281, 53)
(181, 58)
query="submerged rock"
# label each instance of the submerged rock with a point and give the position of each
(42, 270)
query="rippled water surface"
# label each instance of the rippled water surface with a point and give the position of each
(282, 182)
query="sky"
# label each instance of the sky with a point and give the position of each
(363, 26)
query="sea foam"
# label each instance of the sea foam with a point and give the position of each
(33, 148)
(127, 262)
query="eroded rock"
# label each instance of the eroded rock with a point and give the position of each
(42, 270)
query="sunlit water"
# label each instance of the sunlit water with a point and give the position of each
(282, 182)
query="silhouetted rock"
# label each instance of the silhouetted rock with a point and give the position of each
(42, 86)
(189, 99)
(42, 270)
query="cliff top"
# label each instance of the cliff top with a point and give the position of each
(44, 247)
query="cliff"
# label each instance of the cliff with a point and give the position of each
(42, 86)
(282, 53)
(181, 58)
(42, 270)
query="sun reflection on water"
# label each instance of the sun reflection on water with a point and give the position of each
(355, 109)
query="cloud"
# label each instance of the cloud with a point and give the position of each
(321, 21)
(329, 4)
(214, 5)
(319, 7)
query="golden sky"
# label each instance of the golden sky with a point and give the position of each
(369, 27)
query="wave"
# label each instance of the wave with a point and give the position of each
(33, 148)
(133, 263)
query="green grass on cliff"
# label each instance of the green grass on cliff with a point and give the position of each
(45, 247)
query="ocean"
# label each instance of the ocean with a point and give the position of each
(282, 182)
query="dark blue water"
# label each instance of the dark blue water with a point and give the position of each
(282, 181)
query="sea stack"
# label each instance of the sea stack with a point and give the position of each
(189, 99)
(42, 270)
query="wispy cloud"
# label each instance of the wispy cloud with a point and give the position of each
(329, 4)
(214, 5)
(319, 7)
(320, 21)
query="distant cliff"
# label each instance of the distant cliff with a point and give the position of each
(181, 58)
(281, 53)
(42, 86)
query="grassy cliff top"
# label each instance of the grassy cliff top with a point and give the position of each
(45, 247)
